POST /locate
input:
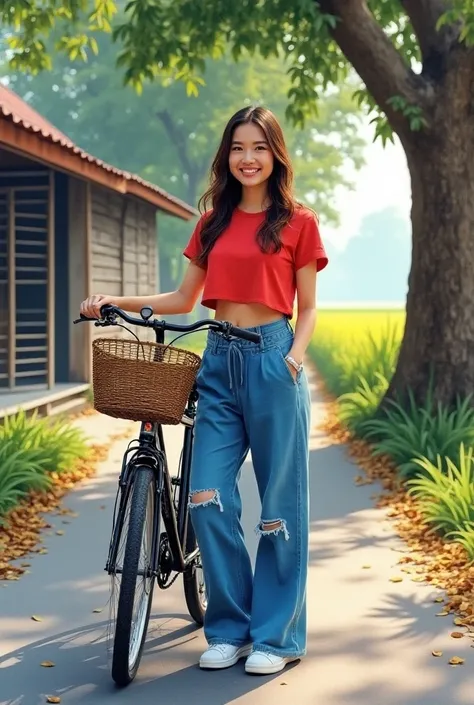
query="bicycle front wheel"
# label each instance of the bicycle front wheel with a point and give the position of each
(136, 588)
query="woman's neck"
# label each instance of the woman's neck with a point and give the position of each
(254, 199)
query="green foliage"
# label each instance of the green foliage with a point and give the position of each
(445, 494)
(413, 113)
(30, 449)
(359, 406)
(32, 22)
(357, 372)
(408, 434)
(432, 446)
(171, 40)
(461, 12)
(170, 138)
(368, 360)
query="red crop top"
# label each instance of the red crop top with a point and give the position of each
(237, 270)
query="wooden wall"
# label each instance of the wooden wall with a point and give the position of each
(123, 245)
(80, 336)
(113, 250)
(124, 255)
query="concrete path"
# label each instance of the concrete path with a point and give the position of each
(370, 640)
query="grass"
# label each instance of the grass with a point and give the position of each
(350, 345)
(356, 353)
(432, 446)
(194, 342)
(31, 449)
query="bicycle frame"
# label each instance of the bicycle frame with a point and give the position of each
(150, 452)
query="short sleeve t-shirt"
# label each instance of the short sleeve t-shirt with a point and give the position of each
(237, 269)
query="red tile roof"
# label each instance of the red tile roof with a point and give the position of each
(26, 120)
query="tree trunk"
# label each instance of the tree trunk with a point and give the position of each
(438, 342)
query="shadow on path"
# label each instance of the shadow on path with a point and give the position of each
(81, 672)
(369, 640)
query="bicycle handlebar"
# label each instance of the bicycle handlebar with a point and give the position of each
(109, 313)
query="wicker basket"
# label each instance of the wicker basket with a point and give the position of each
(142, 381)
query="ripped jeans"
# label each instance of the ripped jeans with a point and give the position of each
(249, 399)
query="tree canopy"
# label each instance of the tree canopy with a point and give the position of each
(170, 137)
(416, 61)
(384, 40)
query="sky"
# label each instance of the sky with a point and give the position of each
(384, 181)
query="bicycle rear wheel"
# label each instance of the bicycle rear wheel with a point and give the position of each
(193, 581)
(136, 587)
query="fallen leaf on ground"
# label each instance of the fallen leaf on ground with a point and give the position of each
(47, 664)
(53, 699)
(437, 653)
(35, 618)
(23, 525)
(60, 532)
(456, 661)
(366, 566)
(457, 635)
(396, 579)
(97, 609)
(446, 565)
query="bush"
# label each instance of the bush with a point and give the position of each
(445, 494)
(32, 448)
(409, 435)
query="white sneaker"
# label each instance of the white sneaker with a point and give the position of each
(223, 655)
(262, 663)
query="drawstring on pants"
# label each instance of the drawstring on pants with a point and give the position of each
(234, 354)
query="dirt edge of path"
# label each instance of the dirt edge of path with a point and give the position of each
(426, 558)
(22, 526)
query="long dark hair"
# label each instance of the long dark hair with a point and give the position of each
(225, 191)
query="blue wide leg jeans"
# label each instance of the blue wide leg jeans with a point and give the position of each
(248, 399)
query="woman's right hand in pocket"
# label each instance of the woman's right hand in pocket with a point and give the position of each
(92, 305)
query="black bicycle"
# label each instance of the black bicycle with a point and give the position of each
(152, 536)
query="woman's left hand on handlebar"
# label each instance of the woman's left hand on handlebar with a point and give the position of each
(92, 305)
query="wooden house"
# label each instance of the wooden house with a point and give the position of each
(70, 225)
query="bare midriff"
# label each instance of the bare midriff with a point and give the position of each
(246, 315)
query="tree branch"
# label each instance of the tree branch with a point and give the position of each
(177, 139)
(424, 16)
(374, 57)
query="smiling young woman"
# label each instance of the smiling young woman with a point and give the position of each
(251, 253)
